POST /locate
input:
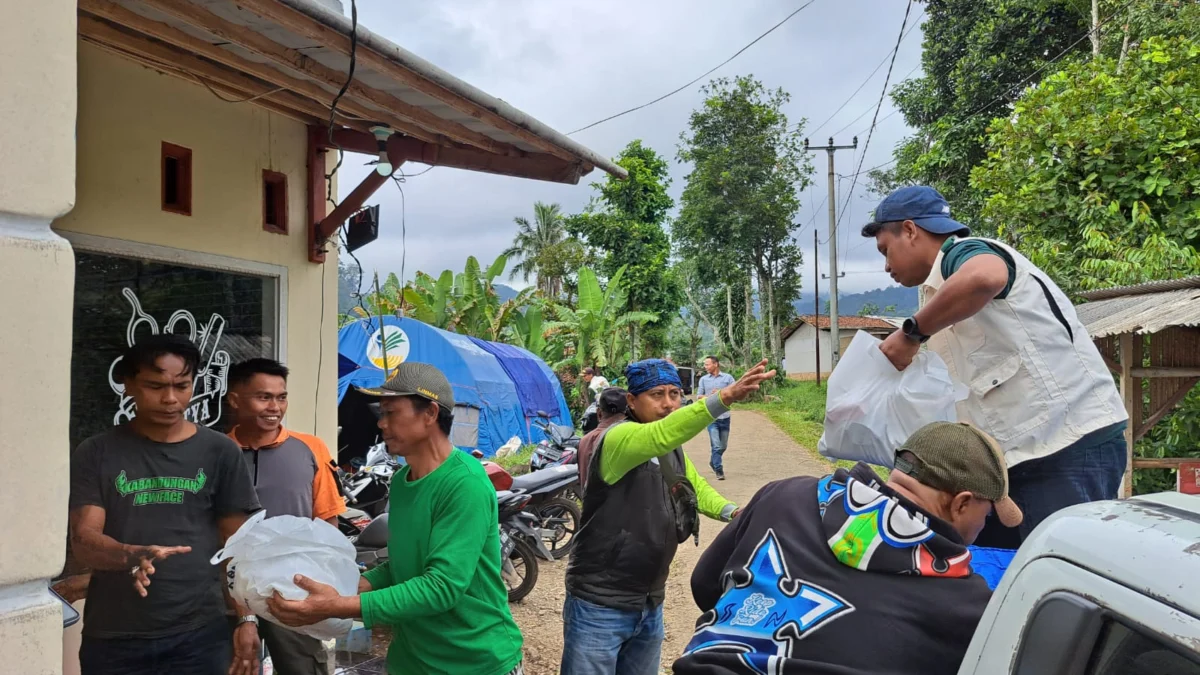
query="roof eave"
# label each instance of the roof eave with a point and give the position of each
(427, 70)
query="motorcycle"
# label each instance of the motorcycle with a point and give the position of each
(561, 445)
(552, 499)
(369, 487)
(520, 544)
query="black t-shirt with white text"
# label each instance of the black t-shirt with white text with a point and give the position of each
(165, 494)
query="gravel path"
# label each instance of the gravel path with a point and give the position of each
(758, 454)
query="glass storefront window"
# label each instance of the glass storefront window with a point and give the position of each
(230, 317)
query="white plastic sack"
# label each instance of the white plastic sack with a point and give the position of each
(266, 553)
(513, 445)
(871, 408)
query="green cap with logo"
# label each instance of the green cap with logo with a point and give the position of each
(954, 457)
(416, 379)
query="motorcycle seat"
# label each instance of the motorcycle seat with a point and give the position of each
(536, 480)
(375, 535)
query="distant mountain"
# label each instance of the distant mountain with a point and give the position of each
(904, 301)
(505, 293)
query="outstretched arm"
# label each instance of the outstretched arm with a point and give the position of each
(629, 445)
(710, 502)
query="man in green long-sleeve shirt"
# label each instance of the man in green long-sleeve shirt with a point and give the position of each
(441, 590)
(641, 501)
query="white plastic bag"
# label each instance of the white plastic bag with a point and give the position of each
(871, 408)
(509, 448)
(266, 553)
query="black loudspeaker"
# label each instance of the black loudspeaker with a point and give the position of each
(363, 228)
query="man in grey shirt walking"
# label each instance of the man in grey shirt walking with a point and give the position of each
(718, 431)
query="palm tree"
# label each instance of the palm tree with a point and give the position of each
(532, 243)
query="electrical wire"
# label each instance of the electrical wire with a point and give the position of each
(399, 180)
(320, 354)
(336, 99)
(875, 120)
(706, 74)
(329, 197)
(1015, 88)
(868, 110)
(247, 99)
(889, 55)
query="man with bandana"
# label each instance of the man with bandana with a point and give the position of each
(642, 500)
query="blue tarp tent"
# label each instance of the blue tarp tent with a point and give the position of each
(537, 386)
(487, 409)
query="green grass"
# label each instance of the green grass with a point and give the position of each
(798, 408)
(516, 460)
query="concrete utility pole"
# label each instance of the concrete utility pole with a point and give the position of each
(817, 305)
(835, 341)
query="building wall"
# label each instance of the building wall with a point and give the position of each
(800, 347)
(37, 176)
(126, 111)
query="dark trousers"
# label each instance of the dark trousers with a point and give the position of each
(1087, 471)
(293, 653)
(202, 651)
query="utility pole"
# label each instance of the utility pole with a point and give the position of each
(835, 341)
(817, 305)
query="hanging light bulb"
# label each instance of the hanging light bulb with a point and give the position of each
(383, 167)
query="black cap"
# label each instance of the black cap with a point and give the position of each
(612, 401)
(416, 379)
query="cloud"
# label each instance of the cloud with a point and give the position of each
(571, 62)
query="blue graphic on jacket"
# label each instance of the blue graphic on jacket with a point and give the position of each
(764, 612)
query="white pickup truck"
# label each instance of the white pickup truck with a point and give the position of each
(1109, 588)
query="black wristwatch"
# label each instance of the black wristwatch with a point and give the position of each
(912, 331)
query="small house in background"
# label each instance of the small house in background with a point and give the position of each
(800, 341)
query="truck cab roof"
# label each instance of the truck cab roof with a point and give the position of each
(1150, 544)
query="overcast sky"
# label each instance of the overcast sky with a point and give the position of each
(571, 62)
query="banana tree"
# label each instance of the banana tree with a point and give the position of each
(597, 326)
(527, 331)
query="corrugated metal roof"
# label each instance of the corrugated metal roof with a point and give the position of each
(1143, 313)
(1141, 289)
(300, 48)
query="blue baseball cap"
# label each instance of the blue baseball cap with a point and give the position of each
(923, 205)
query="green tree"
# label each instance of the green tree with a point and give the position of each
(626, 225)
(539, 247)
(978, 56)
(1096, 174)
(465, 303)
(869, 309)
(739, 206)
(596, 329)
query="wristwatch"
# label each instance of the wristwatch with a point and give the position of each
(249, 618)
(912, 331)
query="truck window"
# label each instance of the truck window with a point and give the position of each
(1122, 650)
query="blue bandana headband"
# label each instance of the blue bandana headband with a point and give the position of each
(642, 376)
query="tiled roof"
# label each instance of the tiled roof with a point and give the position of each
(844, 323)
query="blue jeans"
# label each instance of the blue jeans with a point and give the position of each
(718, 438)
(203, 651)
(602, 641)
(1088, 470)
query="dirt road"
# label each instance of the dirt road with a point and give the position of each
(758, 454)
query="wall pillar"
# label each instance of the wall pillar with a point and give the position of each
(38, 46)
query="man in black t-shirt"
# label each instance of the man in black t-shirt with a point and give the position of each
(151, 502)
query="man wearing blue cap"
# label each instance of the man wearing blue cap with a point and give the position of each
(1037, 383)
(642, 500)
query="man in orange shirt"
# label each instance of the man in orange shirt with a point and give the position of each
(292, 474)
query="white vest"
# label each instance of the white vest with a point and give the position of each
(1037, 382)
